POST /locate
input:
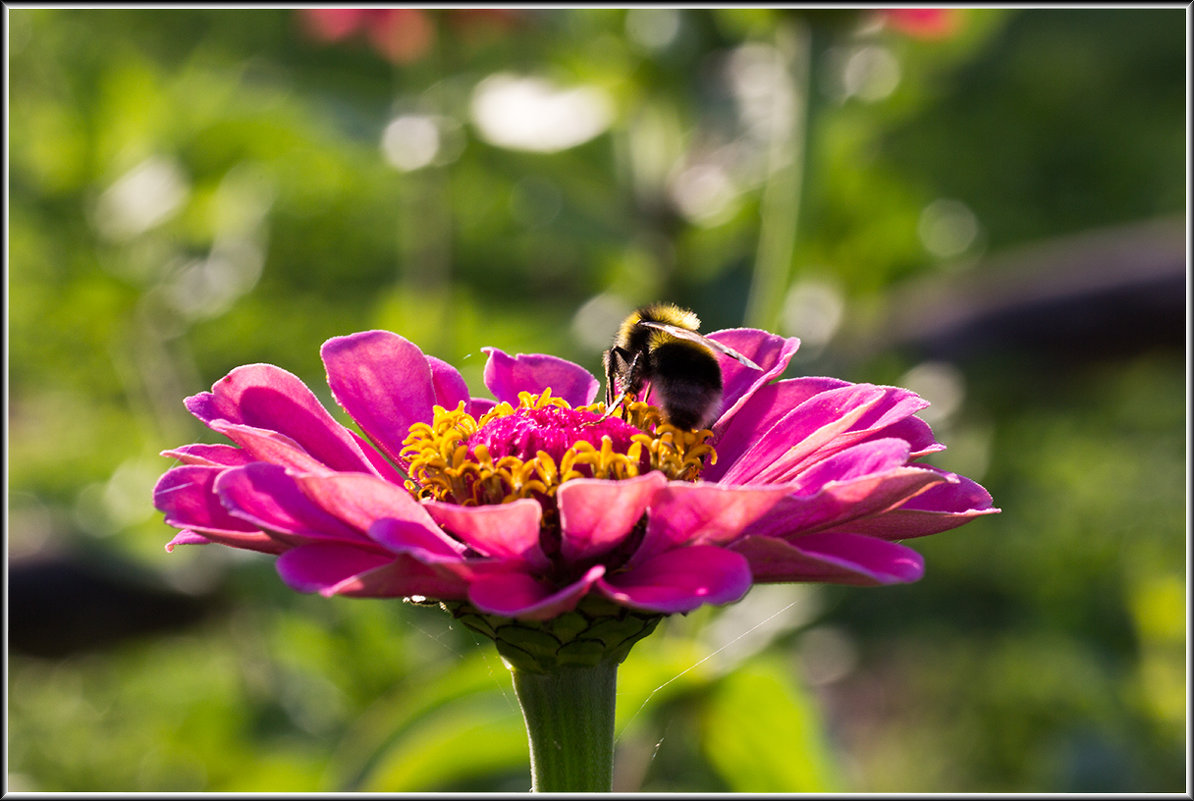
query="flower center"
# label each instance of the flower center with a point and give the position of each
(552, 429)
(529, 450)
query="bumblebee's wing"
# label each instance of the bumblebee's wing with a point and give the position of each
(693, 336)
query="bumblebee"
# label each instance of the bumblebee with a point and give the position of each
(658, 345)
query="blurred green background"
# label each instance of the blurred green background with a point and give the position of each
(987, 206)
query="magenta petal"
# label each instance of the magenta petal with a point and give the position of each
(739, 382)
(519, 595)
(821, 426)
(479, 406)
(343, 570)
(897, 405)
(855, 501)
(263, 396)
(265, 445)
(505, 531)
(864, 459)
(314, 568)
(941, 507)
(838, 558)
(450, 388)
(915, 432)
(595, 514)
(384, 382)
(680, 580)
(210, 455)
(702, 513)
(814, 429)
(266, 496)
(506, 376)
(187, 537)
(360, 499)
(260, 541)
(752, 421)
(426, 545)
(404, 577)
(187, 497)
(958, 495)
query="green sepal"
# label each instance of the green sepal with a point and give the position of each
(597, 630)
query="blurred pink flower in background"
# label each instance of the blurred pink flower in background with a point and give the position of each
(400, 35)
(922, 23)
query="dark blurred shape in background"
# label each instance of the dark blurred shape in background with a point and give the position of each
(62, 604)
(1099, 295)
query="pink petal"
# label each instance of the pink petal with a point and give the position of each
(505, 531)
(855, 501)
(265, 445)
(313, 568)
(596, 515)
(915, 432)
(260, 541)
(450, 388)
(506, 376)
(479, 406)
(959, 494)
(684, 513)
(813, 430)
(522, 596)
(344, 570)
(266, 496)
(680, 580)
(737, 433)
(186, 496)
(898, 404)
(837, 558)
(384, 382)
(739, 382)
(360, 499)
(941, 507)
(187, 537)
(404, 577)
(210, 455)
(269, 398)
(251, 541)
(864, 459)
(427, 545)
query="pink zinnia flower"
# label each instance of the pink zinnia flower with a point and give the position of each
(523, 506)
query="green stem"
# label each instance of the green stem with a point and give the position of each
(569, 714)
(780, 204)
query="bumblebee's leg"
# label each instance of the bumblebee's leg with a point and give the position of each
(633, 379)
(614, 358)
(608, 359)
(633, 375)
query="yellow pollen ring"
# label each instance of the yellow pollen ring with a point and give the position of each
(441, 468)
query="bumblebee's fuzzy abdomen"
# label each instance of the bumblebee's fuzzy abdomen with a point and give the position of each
(686, 383)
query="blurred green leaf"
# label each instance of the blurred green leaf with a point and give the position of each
(763, 733)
